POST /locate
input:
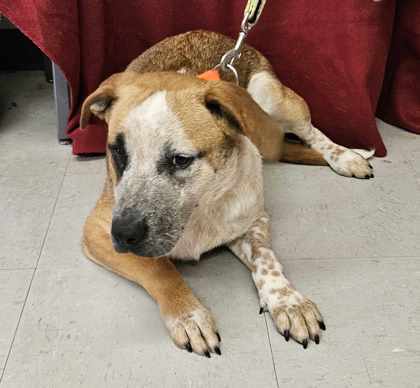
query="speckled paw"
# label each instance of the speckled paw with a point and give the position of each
(352, 163)
(294, 315)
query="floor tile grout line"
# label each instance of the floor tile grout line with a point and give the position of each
(271, 350)
(17, 269)
(355, 258)
(34, 270)
(367, 371)
(223, 250)
(68, 165)
(59, 191)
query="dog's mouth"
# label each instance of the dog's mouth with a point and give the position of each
(144, 248)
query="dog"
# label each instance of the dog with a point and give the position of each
(184, 175)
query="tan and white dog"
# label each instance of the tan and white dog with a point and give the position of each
(184, 164)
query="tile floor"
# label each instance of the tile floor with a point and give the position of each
(353, 246)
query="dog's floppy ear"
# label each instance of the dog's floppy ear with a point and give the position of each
(100, 100)
(234, 104)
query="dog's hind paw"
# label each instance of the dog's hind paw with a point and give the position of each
(193, 328)
(351, 163)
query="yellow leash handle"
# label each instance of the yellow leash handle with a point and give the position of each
(252, 13)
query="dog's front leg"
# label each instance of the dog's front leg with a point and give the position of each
(293, 314)
(190, 324)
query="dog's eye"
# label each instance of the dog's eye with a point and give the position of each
(119, 154)
(118, 150)
(182, 161)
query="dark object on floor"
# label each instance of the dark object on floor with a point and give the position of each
(12, 105)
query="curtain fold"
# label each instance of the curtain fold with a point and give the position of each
(400, 100)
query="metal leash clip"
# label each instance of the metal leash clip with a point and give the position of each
(252, 13)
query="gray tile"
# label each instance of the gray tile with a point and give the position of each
(396, 368)
(403, 148)
(28, 128)
(87, 165)
(26, 204)
(87, 327)
(28, 162)
(316, 213)
(30, 156)
(27, 112)
(400, 143)
(371, 308)
(13, 289)
(62, 247)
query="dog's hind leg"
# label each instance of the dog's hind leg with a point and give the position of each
(190, 324)
(292, 113)
(293, 314)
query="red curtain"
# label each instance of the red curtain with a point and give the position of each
(332, 53)
(400, 99)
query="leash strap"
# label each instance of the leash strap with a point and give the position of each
(252, 13)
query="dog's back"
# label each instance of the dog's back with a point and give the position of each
(193, 52)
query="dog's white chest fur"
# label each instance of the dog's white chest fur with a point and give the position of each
(225, 214)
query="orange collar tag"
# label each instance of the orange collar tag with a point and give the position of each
(210, 75)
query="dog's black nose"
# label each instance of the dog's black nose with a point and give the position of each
(128, 231)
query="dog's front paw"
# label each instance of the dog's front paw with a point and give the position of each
(294, 315)
(351, 163)
(192, 327)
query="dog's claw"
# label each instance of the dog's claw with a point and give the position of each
(218, 337)
(207, 354)
(261, 310)
(217, 350)
(322, 325)
(305, 343)
(316, 339)
(286, 335)
(192, 328)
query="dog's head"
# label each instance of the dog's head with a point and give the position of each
(172, 138)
